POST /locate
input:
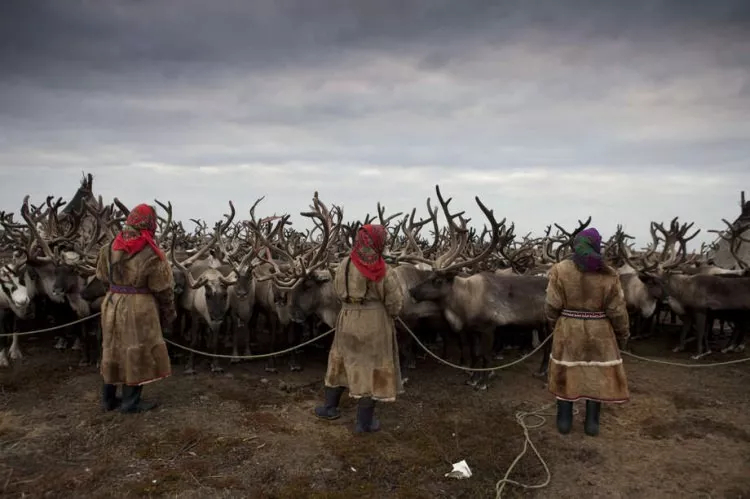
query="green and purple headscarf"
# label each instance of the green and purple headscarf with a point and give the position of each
(587, 251)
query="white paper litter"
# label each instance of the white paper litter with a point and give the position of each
(460, 470)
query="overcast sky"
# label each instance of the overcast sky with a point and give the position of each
(549, 110)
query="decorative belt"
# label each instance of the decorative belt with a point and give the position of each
(128, 290)
(583, 314)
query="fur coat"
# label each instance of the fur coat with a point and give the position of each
(133, 349)
(585, 360)
(364, 353)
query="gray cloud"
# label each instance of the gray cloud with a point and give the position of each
(551, 110)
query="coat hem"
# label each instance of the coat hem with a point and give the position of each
(141, 383)
(378, 399)
(588, 397)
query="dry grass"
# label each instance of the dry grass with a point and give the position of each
(250, 434)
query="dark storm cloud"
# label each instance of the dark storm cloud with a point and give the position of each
(512, 99)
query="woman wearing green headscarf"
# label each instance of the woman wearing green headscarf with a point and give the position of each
(586, 310)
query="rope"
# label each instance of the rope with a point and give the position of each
(682, 364)
(249, 357)
(522, 416)
(53, 328)
(470, 369)
(521, 420)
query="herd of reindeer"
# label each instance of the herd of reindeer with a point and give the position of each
(241, 281)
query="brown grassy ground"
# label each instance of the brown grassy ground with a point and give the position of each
(686, 433)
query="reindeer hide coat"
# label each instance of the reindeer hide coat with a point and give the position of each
(364, 354)
(133, 349)
(585, 362)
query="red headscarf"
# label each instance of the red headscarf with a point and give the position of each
(139, 231)
(367, 252)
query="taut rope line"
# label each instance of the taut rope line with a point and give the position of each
(53, 328)
(250, 357)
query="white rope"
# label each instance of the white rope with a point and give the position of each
(682, 364)
(472, 369)
(250, 357)
(53, 328)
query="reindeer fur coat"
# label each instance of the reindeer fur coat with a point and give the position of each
(133, 349)
(364, 354)
(585, 362)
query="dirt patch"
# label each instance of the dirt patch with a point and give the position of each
(251, 434)
(692, 428)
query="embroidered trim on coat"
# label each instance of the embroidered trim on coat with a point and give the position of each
(586, 363)
(583, 314)
(128, 290)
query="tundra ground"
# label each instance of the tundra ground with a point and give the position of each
(686, 433)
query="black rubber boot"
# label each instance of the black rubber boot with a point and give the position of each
(564, 416)
(110, 402)
(330, 410)
(131, 400)
(366, 420)
(591, 425)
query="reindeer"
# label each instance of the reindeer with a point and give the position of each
(693, 297)
(206, 298)
(291, 289)
(14, 302)
(477, 303)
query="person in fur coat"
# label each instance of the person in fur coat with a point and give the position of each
(364, 353)
(138, 304)
(585, 308)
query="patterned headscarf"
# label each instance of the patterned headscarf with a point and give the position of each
(367, 252)
(138, 232)
(587, 250)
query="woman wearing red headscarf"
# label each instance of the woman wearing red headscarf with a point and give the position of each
(140, 301)
(364, 354)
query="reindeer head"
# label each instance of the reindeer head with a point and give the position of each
(14, 290)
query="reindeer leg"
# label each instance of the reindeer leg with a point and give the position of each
(738, 335)
(61, 343)
(546, 351)
(273, 326)
(473, 358)
(193, 334)
(15, 349)
(486, 342)
(245, 328)
(234, 324)
(4, 362)
(249, 327)
(686, 327)
(83, 341)
(700, 326)
(295, 338)
(215, 336)
(406, 347)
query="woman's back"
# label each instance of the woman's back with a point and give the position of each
(352, 287)
(590, 291)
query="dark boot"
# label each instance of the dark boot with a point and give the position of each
(330, 410)
(131, 400)
(366, 420)
(591, 426)
(110, 402)
(564, 416)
